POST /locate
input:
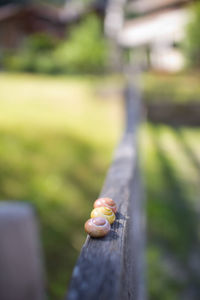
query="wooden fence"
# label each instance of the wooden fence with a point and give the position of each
(108, 268)
(21, 271)
(174, 114)
(112, 267)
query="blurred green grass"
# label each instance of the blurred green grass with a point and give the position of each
(171, 165)
(57, 135)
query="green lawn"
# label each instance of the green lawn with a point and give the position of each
(171, 164)
(57, 136)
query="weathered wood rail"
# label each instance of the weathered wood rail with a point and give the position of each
(175, 114)
(112, 267)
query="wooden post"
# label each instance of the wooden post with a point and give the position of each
(21, 272)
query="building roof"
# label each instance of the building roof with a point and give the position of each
(8, 11)
(13, 10)
(50, 13)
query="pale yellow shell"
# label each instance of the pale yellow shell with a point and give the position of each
(103, 212)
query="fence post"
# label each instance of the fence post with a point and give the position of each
(21, 271)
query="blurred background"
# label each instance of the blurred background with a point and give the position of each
(62, 66)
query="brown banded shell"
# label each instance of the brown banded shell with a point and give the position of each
(97, 227)
(108, 202)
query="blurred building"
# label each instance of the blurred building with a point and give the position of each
(157, 28)
(18, 21)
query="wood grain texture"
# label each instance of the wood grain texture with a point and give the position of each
(105, 266)
(134, 287)
(21, 272)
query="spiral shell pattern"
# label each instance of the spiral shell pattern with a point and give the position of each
(97, 227)
(103, 212)
(108, 202)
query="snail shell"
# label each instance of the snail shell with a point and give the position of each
(97, 227)
(108, 202)
(103, 212)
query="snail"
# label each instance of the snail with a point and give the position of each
(108, 202)
(97, 227)
(103, 212)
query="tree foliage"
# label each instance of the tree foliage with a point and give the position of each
(84, 50)
(192, 40)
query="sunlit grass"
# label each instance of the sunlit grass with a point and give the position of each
(172, 184)
(60, 103)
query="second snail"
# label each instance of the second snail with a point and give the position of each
(102, 216)
(108, 202)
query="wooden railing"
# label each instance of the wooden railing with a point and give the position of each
(174, 114)
(113, 267)
(108, 268)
